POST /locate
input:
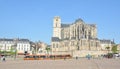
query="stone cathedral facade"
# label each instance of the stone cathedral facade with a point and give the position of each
(74, 37)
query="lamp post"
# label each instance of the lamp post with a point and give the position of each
(15, 51)
(4, 47)
(15, 47)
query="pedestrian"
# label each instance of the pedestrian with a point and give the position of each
(3, 58)
(76, 58)
(88, 56)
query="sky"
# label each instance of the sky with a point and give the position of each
(33, 19)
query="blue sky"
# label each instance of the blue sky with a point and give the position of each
(32, 19)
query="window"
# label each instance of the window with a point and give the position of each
(56, 19)
(56, 45)
(18, 48)
(72, 43)
(56, 24)
(40, 51)
(53, 45)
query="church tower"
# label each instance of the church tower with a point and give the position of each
(57, 27)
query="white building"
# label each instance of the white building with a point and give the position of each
(6, 44)
(19, 45)
(23, 45)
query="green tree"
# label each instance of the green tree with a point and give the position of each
(12, 50)
(108, 48)
(0, 49)
(114, 49)
(48, 49)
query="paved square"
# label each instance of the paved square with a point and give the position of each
(82, 63)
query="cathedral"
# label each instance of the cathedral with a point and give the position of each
(72, 37)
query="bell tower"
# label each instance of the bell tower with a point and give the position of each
(57, 27)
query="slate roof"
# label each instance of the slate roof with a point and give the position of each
(55, 39)
(65, 25)
(5, 39)
(23, 40)
(93, 25)
(79, 20)
(106, 41)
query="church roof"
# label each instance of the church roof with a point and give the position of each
(93, 25)
(55, 39)
(79, 20)
(65, 25)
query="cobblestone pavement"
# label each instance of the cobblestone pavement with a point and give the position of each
(82, 63)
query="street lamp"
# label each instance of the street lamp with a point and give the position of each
(15, 50)
(15, 47)
(4, 47)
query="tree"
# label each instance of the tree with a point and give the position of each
(12, 50)
(48, 49)
(109, 55)
(36, 46)
(0, 49)
(114, 49)
(108, 48)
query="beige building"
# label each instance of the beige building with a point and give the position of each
(118, 48)
(39, 48)
(106, 43)
(74, 38)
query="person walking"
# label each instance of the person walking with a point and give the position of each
(3, 58)
(88, 56)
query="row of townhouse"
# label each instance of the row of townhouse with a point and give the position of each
(21, 46)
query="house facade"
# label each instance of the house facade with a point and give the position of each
(19, 45)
